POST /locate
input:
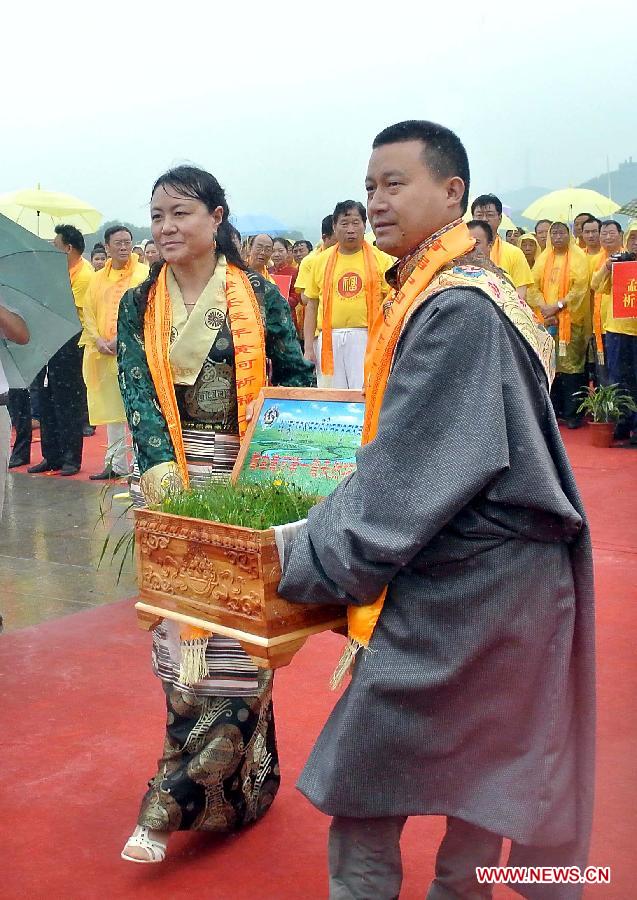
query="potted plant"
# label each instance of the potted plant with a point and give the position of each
(208, 558)
(605, 404)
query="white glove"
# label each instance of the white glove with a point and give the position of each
(284, 534)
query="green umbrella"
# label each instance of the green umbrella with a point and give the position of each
(34, 282)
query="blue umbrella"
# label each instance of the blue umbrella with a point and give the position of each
(34, 282)
(257, 224)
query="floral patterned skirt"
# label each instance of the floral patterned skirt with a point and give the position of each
(220, 768)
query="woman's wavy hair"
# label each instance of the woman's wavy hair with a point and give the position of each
(195, 184)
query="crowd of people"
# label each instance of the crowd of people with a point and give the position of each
(334, 290)
(176, 337)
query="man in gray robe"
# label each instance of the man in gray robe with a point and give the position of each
(475, 698)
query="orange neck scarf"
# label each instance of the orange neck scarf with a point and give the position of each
(372, 299)
(597, 311)
(248, 335)
(564, 317)
(114, 291)
(496, 250)
(386, 331)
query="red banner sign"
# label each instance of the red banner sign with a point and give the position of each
(284, 283)
(625, 290)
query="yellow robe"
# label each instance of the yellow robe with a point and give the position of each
(576, 299)
(100, 370)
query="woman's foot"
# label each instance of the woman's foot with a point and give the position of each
(146, 846)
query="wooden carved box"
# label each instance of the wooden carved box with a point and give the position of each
(222, 578)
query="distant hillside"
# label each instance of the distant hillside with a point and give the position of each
(623, 182)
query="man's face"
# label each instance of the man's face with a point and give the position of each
(631, 241)
(528, 248)
(120, 246)
(260, 251)
(482, 244)
(559, 238)
(590, 234)
(98, 261)
(406, 205)
(152, 254)
(578, 224)
(349, 229)
(489, 214)
(59, 243)
(299, 252)
(610, 238)
(542, 233)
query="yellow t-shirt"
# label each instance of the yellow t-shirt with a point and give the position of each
(349, 303)
(79, 286)
(513, 261)
(304, 274)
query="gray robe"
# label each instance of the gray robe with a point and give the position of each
(476, 696)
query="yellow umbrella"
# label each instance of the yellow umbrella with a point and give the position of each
(40, 211)
(566, 204)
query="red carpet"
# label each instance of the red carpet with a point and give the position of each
(82, 726)
(93, 451)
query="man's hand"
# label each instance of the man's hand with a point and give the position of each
(552, 320)
(104, 347)
(309, 353)
(609, 265)
(549, 311)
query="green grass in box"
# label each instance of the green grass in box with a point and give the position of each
(248, 505)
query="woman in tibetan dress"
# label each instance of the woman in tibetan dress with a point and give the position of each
(195, 342)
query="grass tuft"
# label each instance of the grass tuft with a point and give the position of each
(249, 505)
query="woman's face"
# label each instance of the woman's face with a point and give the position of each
(99, 261)
(279, 254)
(183, 228)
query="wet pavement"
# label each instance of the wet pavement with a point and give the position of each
(51, 538)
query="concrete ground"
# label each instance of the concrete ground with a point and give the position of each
(51, 538)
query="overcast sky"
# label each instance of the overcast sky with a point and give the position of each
(281, 101)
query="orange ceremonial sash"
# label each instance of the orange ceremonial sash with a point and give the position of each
(372, 299)
(248, 335)
(381, 346)
(597, 311)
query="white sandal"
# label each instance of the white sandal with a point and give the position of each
(140, 838)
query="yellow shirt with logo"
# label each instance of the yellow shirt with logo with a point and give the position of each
(513, 261)
(349, 302)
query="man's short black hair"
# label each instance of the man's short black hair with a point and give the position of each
(443, 151)
(348, 206)
(71, 236)
(592, 219)
(589, 215)
(487, 200)
(108, 234)
(480, 223)
(542, 222)
(308, 244)
(615, 223)
(327, 227)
